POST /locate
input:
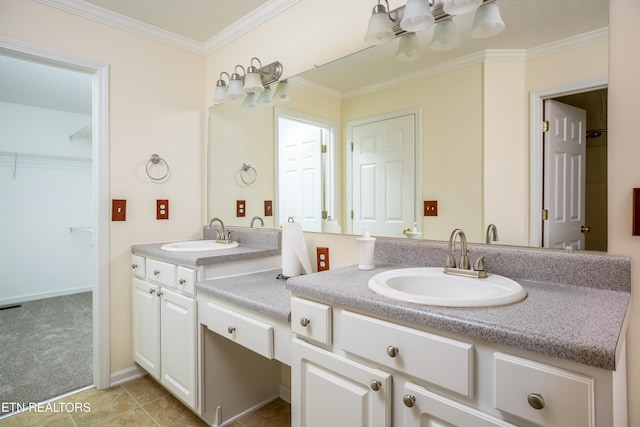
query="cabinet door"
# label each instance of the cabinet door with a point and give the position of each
(178, 345)
(330, 390)
(146, 326)
(424, 408)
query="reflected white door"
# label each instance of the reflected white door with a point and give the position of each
(564, 175)
(383, 171)
(300, 174)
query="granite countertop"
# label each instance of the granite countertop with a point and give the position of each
(195, 259)
(261, 292)
(581, 324)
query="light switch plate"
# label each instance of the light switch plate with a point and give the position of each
(268, 208)
(118, 210)
(430, 208)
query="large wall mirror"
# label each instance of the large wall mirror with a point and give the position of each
(475, 148)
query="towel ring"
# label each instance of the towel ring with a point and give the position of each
(248, 174)
(155, 160)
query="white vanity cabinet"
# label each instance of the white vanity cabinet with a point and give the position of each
(380, 372)
(165, 324)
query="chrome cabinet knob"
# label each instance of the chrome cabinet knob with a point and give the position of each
(375, 385)
(392, 351)
(536, 401)
(585, 229)
(231, 329)
(304, 322)
(182, 281)
(134, 266)
(156, 272)
(160, 293)
(151, 291)
(409, 400)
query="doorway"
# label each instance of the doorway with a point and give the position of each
(98, 74)
(590, 96)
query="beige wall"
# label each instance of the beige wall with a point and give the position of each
(156, 106)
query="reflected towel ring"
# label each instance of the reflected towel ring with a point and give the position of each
(155, 160)
(248, 174)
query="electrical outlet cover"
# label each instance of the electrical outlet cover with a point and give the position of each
(162, 209)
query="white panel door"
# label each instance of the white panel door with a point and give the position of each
(329, 390)
(383, 175)
(564, 175)
(146, 326)
(300, 169)
(178, 345)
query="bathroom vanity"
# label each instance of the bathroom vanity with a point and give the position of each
(357, 358)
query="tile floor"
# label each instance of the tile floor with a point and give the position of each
(140, 403)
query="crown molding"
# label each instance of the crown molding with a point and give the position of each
(229, 34)
(581, 40)
(315, 87)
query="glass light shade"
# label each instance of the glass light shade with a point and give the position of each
(417, 16)
(266, 97)
(250, 101)
(282, 91)
(252, 81)
(445, 36)
(487, 22)
(409, 48)
(380, 30)
(220, 94)
(460, 7)
(235, 89)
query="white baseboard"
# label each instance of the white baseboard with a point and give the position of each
(285, 393)
(126, 375)
(42, 295)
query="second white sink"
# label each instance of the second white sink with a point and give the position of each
(432, 286)
(197, 246)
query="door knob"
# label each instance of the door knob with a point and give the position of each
(585, 229)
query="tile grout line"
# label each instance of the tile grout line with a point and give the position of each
(142, 406)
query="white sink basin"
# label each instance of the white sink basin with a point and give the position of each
(197, 246)
(431, 286)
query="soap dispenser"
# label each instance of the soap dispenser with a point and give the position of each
(414, 233)
(366, 246)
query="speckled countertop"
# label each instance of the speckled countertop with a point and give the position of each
(568, 318)
(261, 292)
(254, 243)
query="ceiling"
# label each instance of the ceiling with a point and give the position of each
(203, 25)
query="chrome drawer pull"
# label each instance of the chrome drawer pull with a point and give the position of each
(231, 329)
(392, 351)
(408, 400)
(304, 322)
(182, 281)
(151, 291)
(375, 385)
(156, 272)
(536, 401)
(134, 266)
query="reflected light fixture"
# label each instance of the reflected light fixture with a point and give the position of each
(445, 36)
(283, 92)
(266, 97)
(487, 22)
(252, 81)
(250, 102)
(380, 29)
(236, 86)
(417, 16)
(409, 48)
(460, 7)
(220, 94)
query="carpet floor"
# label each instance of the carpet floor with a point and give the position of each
(46, 348)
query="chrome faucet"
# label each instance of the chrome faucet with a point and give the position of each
(492, 234)
(221, 236)
(254, 220)
(462, 268)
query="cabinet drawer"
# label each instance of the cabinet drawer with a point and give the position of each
(161, 272)
(246, 331)
(138, 265)
(311, 320)
(186, 280)
(563, 398)
(442, 361)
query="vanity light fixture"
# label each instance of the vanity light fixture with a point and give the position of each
(409, 48)
(220, 94)
(419, 15)
(283, 92)
(252, 81)
(255, 80)
(236, 85)
(250, 102)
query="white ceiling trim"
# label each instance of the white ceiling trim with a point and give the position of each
(116, 20)
(586, 39)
